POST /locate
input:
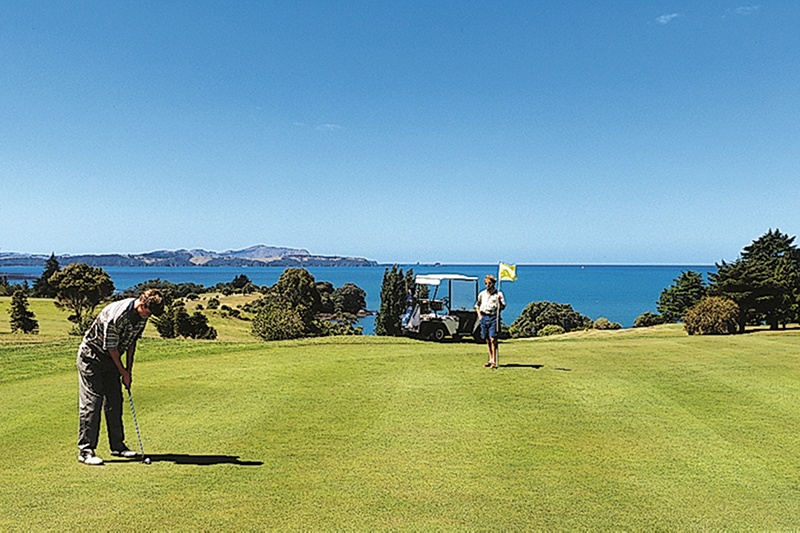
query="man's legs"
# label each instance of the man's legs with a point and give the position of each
(90, 403)
(489, 332)
(112, 407)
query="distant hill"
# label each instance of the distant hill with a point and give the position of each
(259, 255)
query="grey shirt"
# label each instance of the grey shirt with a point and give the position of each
(117, 326)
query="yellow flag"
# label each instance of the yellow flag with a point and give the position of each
(507, 272)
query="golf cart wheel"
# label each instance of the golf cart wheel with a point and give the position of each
(439, 333)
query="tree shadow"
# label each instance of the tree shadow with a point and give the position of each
(201, 460)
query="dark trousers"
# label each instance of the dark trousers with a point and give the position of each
(99, 391)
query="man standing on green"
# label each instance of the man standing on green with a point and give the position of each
(114, 332)
(490, 303)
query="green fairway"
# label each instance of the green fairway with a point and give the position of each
(627, 430)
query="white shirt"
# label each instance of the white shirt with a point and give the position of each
(487, 303)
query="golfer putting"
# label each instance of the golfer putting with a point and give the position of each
(490, 303)
(101, 373)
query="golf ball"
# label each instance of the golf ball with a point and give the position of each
(146, 460)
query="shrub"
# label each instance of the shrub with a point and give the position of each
(712, 316)
(604, 323)
(537, 315)
(550, 329)
(277, 320)
(213, 303)
(645, 320)
(340, 324)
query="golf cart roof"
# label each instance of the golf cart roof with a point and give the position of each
(436, 279)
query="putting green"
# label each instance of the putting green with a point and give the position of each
(628, 430)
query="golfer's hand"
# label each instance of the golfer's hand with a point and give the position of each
(126, 379)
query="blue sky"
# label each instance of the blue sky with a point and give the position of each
(462, 132)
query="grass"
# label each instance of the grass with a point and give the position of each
(627, 430)
(53, 322)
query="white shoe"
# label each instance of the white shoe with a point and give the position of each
(89, 458)
(126, 453)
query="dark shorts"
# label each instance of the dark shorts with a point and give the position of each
(489, 326)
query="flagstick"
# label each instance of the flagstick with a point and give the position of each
(497, 348)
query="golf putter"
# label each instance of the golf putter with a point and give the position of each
(145, 460)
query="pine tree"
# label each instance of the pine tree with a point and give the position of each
(764, 281)
(393, 296)
(22, 318)
(42, 288)
(686, 292)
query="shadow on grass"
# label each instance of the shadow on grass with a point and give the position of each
(201, 460)
(535, 367)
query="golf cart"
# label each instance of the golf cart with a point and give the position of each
(434, 316)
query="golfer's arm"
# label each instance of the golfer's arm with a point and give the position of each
(129, 356)
(114, 353)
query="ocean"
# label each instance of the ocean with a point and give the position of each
(619, 293)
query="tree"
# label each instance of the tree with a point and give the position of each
(195, 326)
(240, 282)
(8, 289)
(42, 288)
(688, 289)
(764, 281)
(22, 318)
(394, 289)
(165, 324)
(537, 315)
(326, 290)
(349, 299)
(5, 286)
(80, 288)
(171, 291)
(176, 321)
(288, 310)
(297, 289)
